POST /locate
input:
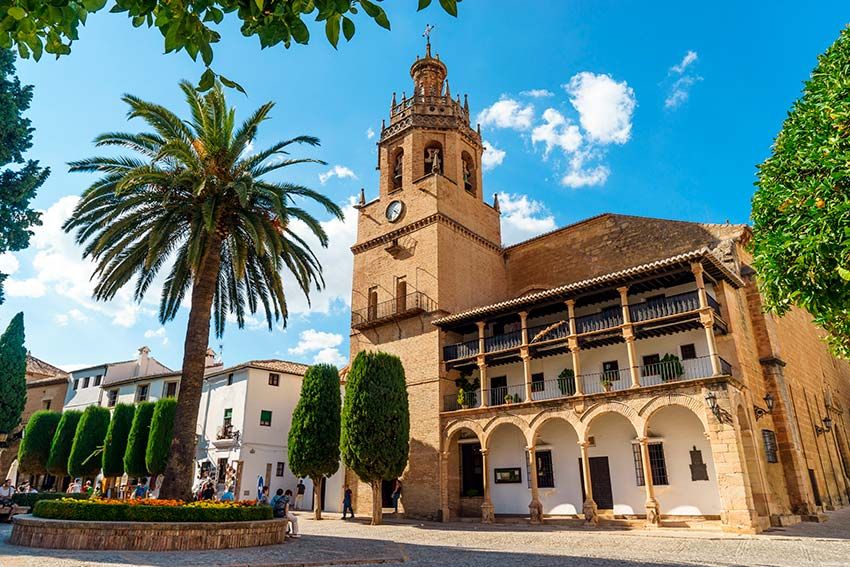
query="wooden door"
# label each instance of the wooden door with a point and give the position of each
(600, 482)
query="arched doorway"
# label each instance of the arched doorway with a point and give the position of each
(508, 474)
(614, 470)
(749, 447)
(684, 478)
(558, 478)
(465, 474)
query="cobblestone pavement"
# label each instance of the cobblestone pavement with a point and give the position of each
(334, 542)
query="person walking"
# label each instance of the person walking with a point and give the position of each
(299, 493)
(396, 495)
(346, 502)
(290, 517)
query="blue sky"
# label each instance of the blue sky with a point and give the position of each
(656, 109)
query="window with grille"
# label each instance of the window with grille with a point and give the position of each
(657, 464)
(545, 471)
(274, 379)
(770, 448)
(651, 365)
(265, 418)
(688, 351)
(112, 398)
(280, 469)
(142, 392)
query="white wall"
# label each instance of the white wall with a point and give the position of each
(81, 397)
(507, 450)
(127, 391)
(613, 435)
(560, 438)
(680, 430)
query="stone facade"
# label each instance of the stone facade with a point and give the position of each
(616, 328)
(145, 536)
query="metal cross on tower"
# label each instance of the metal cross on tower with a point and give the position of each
(427, 35)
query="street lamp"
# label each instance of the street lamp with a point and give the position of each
(761, 412)
(827, 426)
(711, 400)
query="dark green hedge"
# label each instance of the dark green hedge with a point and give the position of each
(35, 446)
(29, 499)
(60, 447)
(134, 456)
(85, 459)
(115, 443)
(94, 511)
(159, 441)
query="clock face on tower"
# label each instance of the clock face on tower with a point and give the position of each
(394, 210)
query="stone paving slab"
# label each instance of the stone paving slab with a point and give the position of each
(405, 544)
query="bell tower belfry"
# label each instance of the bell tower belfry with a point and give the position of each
(427, 245)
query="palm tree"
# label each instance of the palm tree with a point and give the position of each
(195, 199)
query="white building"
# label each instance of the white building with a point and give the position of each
(243, 429)
(87, 386)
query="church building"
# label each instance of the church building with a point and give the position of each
(619, 369)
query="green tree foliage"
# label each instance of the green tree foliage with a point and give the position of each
(17, 185)
(115, 444)
(194, 201)
(801, 210)
(84, 459)
(34, 449)
(159, 441)
(13, 374)
(60, 447)
(191, 25)
(137, 441)
(314, 433)
(375, 421)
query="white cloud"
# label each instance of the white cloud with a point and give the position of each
(159, 333)
(577, 178)
(62, 319)
(556, 131)
(370, 133)
(689, 58)
(537, 93)
(492, 156)
(507, 113)
(523, 218)
(323, 346)
(604, 106)
(339, 171)
(8, 263)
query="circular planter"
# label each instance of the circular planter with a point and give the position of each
(144, 536)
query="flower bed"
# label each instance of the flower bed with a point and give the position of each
(150, 510)
(28, 499)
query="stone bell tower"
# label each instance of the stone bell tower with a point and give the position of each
(427, 245)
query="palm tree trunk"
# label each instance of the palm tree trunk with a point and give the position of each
(317, 497)
(180, 469)
(377, 504)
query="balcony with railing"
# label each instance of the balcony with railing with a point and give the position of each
(399, 307)
(226, 435)
(605, 319)
(503, 342)
(593, 383)
(548, 332)
(458, 351)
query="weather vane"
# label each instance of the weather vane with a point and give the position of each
(427, 34)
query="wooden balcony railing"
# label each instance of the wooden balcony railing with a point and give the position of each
(403, 306)
(460, 350)
(503, 342)
(598, 321)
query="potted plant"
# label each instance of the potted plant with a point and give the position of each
(509, 399)
(461, 398)
(671, 368)
(605, 380)
(567, 382)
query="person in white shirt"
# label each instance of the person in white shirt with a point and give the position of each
(76, 486)
(6, 492)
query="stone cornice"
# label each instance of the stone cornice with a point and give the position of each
(422, 223)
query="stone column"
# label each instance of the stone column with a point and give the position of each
(589, 507)
(535, 507)
(526, 371)
(653, 513)
(487, 515)
(706, 316)
(629, 336)
(444, 486)
(572, 341)
(482, 365)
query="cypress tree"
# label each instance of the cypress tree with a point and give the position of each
(375, 436)
(88, 442)
(60, 447)
(13, 370)
(137, 441)
(159, 441)
(34, 449)
(115, 444)
(314, 433)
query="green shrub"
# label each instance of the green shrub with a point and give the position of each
(159, 441)
(60, 447)
(137, 442)
(111, 511)
(13, 368)
(30, 498)
(35, 445)
(115, 444)
(84, 459)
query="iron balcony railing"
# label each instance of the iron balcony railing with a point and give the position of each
(503, 395)
(503, 342)
(413, 302)
(606, 381)
(455, 402)
(460, 350)
(599, 321)
(551, 389)
(226, 432)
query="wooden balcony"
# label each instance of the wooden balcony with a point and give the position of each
(402, 307)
